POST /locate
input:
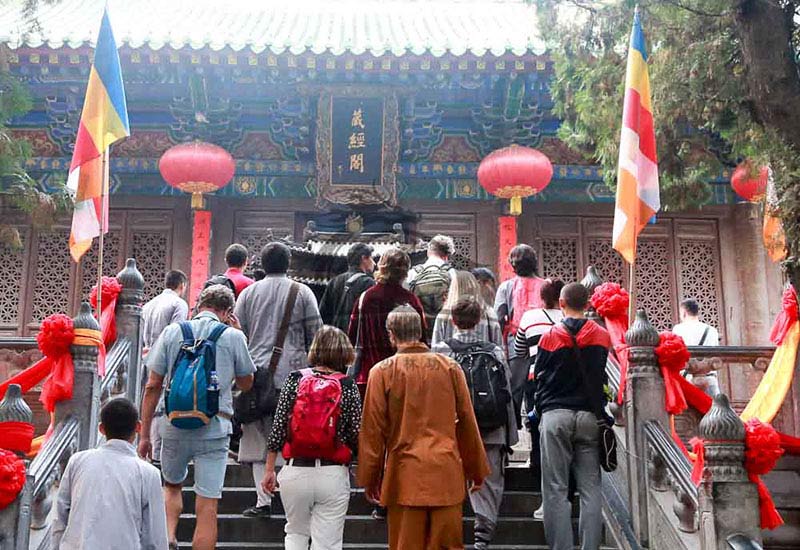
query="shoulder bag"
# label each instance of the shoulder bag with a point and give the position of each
(607, 440)
(262, 399)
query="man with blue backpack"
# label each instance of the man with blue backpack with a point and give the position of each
(197, 362)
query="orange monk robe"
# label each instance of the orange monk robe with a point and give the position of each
(419, 431)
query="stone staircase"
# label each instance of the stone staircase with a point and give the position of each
(516, 530)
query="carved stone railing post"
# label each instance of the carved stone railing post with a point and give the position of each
(129, 324)
(14, 518)
(591, 281)
(728, 500)
(85, 402)
(644, 401)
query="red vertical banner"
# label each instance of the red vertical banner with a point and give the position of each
(201, 241)
(507, 227)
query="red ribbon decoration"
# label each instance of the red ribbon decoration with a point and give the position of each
(611, 302)
(763, 448)
(699, 449)
(786, 318)
(16, 436)
(762, 451)
(12, 477)
(672, 357)
(110, 290)
(54, 339)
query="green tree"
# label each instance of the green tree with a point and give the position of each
(725, 84)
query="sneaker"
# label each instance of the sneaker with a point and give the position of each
(539, 513)
(258, 511)
(379, 513)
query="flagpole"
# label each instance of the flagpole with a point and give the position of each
(100, 241)
(631, 293)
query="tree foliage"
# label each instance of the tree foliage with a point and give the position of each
(721, 91)
(17, 189)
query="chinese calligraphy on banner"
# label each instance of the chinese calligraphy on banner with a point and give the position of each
(357, 141)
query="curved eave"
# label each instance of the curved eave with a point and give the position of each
(376, 27)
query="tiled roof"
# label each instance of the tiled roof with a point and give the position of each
(379, 27)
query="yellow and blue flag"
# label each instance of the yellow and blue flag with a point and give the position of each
(638, 198)
(104, 120)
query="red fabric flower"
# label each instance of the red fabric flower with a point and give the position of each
(111, 288)
(762, 451)
(12, 477)
(610, 300)
(786, 318)
(672, 358)
(56, 335)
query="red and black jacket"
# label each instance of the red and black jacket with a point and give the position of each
(558, 382)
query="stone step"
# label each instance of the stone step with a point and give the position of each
(358, 546)
(518, 478)
(236, 499)
(361, 530)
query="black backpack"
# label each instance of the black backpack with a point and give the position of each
(341, 317)
(486, 380)
(221, 280)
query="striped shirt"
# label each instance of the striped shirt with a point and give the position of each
(533, 324)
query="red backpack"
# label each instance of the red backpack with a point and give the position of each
(312, 425)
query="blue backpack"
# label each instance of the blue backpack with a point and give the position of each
(192, 396)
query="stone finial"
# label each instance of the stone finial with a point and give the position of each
(85, 319)
(130, 278)
(721, 423)
(13, 407)
(592, 279)
(641, 333)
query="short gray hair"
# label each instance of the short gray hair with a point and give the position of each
(442, 245)
(405, 323)
(216, 297)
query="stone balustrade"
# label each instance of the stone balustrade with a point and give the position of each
(76, 420)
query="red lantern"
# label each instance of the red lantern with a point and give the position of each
(750, 182)
(197, 168)
(513, 173)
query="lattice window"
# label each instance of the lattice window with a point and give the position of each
(559, 259)
(462, 255)
(653, 290)
(111, 262)
(150, 251)
(11, 264)
(52, 280)
(254, 242)
(698, 265)
(606, 260)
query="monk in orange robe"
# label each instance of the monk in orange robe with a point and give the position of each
(419, 445)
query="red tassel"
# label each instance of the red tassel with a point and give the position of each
(770, 518)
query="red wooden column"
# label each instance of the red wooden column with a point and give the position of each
(507, 227)
(201, 246)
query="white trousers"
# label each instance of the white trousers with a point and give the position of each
(315, 500)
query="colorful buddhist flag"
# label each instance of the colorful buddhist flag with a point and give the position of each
(638, 197)
(104, 120)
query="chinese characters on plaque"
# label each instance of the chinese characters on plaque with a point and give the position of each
(357, 141)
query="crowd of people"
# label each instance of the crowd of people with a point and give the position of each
(420, 378)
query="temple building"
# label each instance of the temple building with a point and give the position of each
(437, 87)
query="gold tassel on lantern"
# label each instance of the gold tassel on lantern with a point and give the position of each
(515, 208)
